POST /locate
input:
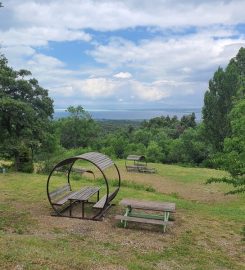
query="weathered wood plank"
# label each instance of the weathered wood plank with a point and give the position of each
(63, 199)
(100, 204)
(147, 170)
(99, 159)
(84, 194)
(59, 191)
(148, 205)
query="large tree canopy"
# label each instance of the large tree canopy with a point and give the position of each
(218, 100)
(79, 129)
(226, 122)
(233, 158)
(25, 110)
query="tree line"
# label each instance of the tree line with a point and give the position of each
(29, 134)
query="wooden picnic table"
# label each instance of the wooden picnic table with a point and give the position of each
(82, 196)
(161, 218)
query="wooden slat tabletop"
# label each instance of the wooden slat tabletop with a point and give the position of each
(84, 193)
(148, 205)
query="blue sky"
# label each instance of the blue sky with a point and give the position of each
(122, 54)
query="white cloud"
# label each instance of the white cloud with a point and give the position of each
(148, 92)
(181, 58)
(114, 15)
(39, 36)
(163, 65)
(95, 87)
(123, 75)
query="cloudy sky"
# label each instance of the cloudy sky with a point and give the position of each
(119, 54)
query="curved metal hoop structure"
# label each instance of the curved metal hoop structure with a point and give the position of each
(102, 162)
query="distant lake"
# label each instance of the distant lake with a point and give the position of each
(133, 114)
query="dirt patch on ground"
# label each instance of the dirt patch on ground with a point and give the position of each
(206, 233)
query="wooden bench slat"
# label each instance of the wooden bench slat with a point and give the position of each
(147, 170)
(59, 191)
(63, 199)
(143, 220)
(100, 204)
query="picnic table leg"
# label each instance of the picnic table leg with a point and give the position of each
(128, 210)
(82, 209)
(70, 210)
(98, 195)
(166, 217)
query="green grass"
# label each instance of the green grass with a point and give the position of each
(204, 236)
(183, 174)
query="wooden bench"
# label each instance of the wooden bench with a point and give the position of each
(140, 168)
(131, 215)
(101, 203)
(61, 195)
(147, 170)
(135, 168)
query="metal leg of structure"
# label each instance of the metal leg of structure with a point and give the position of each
(70, 209)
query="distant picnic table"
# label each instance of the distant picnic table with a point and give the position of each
(139, 164)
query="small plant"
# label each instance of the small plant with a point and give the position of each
(175, 195)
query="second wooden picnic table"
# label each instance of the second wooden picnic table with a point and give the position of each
(162, 218)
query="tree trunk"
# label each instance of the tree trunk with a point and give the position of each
(17, 161)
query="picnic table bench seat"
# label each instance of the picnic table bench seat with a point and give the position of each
(144, 220)
(100, 204)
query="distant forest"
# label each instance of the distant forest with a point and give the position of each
(29, 134)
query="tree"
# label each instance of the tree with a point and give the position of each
(25, 111)
(188, 121)
(218, 100)
(77, 130)
(233, 158)
(192, 147)
(154, 152)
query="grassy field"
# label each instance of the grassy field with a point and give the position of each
(207, 232)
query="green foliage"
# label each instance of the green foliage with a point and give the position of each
(25, 111)
(77, 130)
(25, 160)
(154, 152)
(233, 158)
(218, 100)
(50, 160)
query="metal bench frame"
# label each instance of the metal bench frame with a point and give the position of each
(102, 162)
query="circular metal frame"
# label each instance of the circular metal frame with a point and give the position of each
(98, 160)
